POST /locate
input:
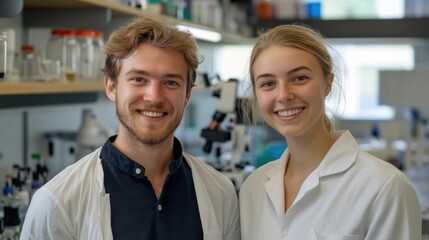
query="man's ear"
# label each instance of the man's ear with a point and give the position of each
(110, 88)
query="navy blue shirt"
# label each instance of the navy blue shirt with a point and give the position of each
(136, 211)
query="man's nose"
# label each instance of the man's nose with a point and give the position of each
(154, 93)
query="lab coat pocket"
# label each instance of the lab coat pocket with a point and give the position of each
(316, 235)
(213, 235)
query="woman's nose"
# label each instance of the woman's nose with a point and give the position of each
(285, 93)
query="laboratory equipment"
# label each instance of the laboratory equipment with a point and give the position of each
(60, 153)
(12, 56)
(232, 131)
(91, 134)
(99, 55)
(71, 56)
(87, 57)
(56, 49)
(406, 91)
(29, 69)
(3, 55)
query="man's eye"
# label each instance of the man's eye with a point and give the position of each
(136, 79)
(171, 83)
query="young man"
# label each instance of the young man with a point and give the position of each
(140, 185)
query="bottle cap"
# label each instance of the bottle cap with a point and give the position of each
(85, 33)
(27, 48)
(57, 32)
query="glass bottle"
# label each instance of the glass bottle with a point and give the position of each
(56, 51)
(28, 63)
(71, 55)
(99, 55)
(3, 55)
(86, 62)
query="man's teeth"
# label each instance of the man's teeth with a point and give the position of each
(289, 113)
(152, 114)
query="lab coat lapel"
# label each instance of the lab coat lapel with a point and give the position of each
(275, 191)
(104, 208)
(105, 217)
(205, 205)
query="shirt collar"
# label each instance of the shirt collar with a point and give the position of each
(111, 154)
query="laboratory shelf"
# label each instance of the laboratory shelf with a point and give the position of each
(23, 88)
(34, 9)
(359, 28)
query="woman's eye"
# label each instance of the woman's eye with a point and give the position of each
(301, 78)
(266, 85)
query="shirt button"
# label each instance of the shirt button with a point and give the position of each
(138, 170)
(159, 207)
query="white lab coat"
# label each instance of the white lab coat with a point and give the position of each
(74, 205)
(351, 195)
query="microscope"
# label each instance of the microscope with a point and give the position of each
(234, 130)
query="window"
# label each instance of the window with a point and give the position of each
(360, 84)
(363, 9)
(232, 61)
(359, 66)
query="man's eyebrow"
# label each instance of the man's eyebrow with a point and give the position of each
(137, 71)
(145, 73)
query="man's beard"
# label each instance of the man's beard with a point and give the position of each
(150, 139)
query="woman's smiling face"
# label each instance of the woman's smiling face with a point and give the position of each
(290, 89)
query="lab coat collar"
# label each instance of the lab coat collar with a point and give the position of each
(339, 158)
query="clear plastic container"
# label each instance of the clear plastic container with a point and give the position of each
(55, 44)
(87, 63)
(3, 55)
(56, 49)
(99, 55)
(71, 58)
(28, 63)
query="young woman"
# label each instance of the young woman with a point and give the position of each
(323, 186)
